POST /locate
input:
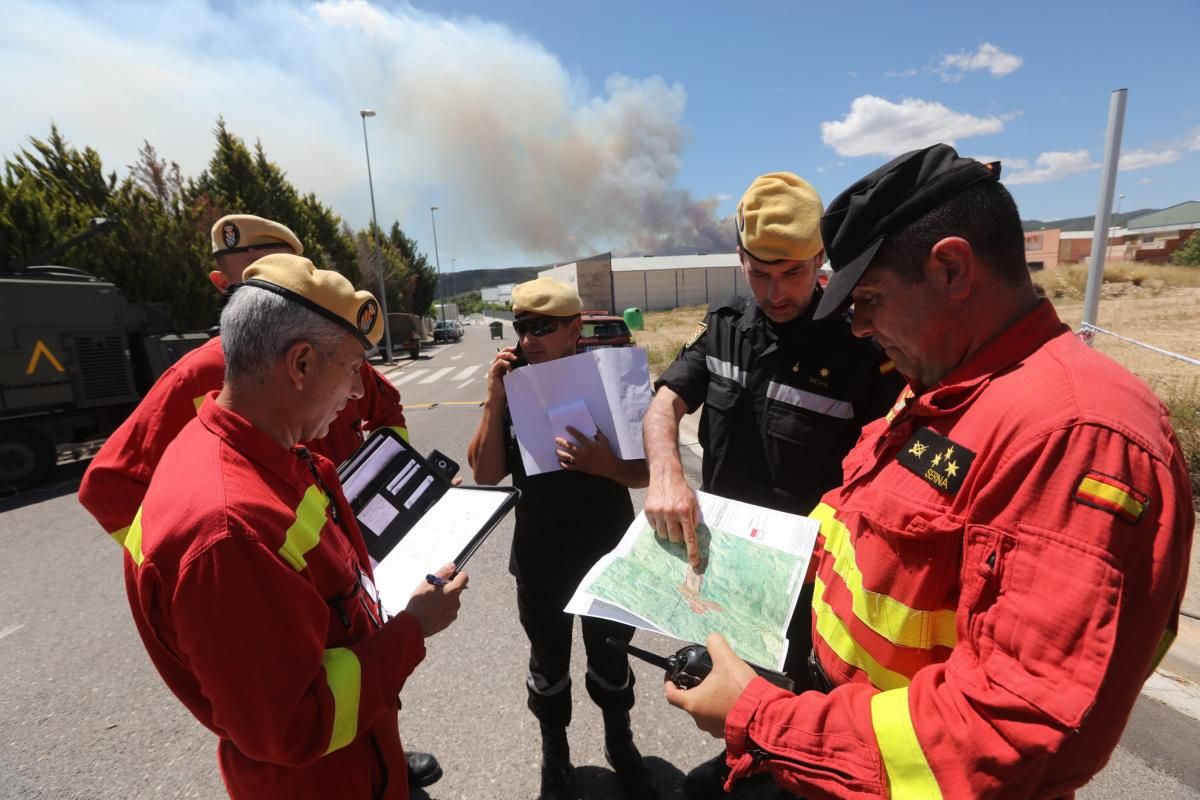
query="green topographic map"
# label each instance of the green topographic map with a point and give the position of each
(744, 594)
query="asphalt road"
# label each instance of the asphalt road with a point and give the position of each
(83, 714)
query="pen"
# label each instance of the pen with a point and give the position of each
(435, 580)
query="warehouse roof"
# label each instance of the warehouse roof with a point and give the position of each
(698, 261)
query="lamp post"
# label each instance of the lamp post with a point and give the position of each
(453, 288)
(387, 330)
(437, 259)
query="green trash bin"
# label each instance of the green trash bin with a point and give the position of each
(633, 318)
(497, 329)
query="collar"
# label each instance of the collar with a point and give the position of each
(753, 315)
(289, 465)
(1011, 346)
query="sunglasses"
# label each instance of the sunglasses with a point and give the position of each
(538, 326)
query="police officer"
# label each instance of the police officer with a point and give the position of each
(784, 395)
(566, 520)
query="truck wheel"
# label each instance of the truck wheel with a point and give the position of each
(26, 455)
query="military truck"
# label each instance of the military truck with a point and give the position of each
(76, 355)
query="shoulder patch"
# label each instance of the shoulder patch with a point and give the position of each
(940, 462)
(701, 327)
(1112, 495)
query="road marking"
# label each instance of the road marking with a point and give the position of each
(443, 403)
(436, 374)
(467, 383)
(11, 629)
(466, 373)
(457, 357)
(408, 376)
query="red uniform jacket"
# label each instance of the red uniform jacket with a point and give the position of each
(247, 576)
(116, 481)
(997, 576)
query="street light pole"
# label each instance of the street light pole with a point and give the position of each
(453, 288)
(437, 259)
(387, 329)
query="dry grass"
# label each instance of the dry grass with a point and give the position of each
(1070, 281)
(665, 333)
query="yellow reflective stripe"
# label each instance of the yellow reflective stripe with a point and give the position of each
(343, 673)
(133, 538)
(837, 636)
(198, 401)
(119, 536)
(1160, 652)
(908, 774)
(402, 431)
(305, 533)
(1114, 495)
(898, 623)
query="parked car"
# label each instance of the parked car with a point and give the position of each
(447, 331)
(601, 329)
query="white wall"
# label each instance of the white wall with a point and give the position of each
(654, 290)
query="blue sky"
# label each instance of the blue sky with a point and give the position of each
(545, 131)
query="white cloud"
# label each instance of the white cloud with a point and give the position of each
(1141, 159)
(1050, 167)
(519, 153)
(875, 126)
(1145, 181)
(903, 73)
(988, 57)
(1194, 144)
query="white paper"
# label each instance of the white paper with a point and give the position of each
(575, 415)
(436, 539)
(612, 384)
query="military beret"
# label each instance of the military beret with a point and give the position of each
(779, 218)
(901, 191)
(237, 233)
(547, 297)
(324, 291)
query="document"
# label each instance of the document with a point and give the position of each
(757, 560)
(611, 385)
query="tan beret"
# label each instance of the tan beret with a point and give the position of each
(779, 218)
(237, 233)
(547, 297)
(324, 291)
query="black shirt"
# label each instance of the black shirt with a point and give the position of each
(783, 403)
(565, 520)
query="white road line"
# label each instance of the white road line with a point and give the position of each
(457, 357)
(466, 373)
(436, 374)
(408, 376)
(11, 629)
(461, 385)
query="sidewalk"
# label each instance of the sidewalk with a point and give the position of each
(1176, 682)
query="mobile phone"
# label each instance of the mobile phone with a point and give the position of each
(521, 360)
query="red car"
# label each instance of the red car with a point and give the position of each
(601, 329)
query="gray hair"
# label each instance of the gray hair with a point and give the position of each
(258, 327)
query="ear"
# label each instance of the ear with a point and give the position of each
(576, 328)
(953, 267)
(299, 361)
(218, 279)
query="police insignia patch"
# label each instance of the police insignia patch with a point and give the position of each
(940, 462)
(696, 334)
(230, 234)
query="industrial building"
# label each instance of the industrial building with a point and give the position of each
(1150, 238)
(652, 283)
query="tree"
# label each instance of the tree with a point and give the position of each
(1189, 254)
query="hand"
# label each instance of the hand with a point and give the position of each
(586, 454)
(500, 366)
(435, 607)
(711, 701)
(673, 512)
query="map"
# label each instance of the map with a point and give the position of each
(746, 593)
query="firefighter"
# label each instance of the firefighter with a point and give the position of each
(247, 574)
(784, 396)
(1003, 564)
(566, 520)
(116, 481)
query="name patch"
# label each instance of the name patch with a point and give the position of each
(940, 462)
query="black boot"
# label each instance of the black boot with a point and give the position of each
(423, 769)
(707, 781)
(623, 756)
(558, 782)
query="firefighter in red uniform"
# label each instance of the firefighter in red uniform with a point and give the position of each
(1003, 564)
(116, 481)
(247, 575)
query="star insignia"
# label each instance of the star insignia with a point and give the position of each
(951, 468)
(949, 452)
(937, 459)
(918, 449)
(796, 367)
(824, 373)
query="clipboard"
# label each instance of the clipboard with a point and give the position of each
(412, 520)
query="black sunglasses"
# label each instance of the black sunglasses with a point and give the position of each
(538, 326)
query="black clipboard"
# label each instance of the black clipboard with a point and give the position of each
(390, 487)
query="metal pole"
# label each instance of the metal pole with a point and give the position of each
(437, 260)
(387, 329)
(453, 289)
(1108, 184)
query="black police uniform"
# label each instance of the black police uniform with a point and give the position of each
(783, 404)
(565, 521)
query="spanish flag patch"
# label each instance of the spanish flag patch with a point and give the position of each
(887, 366)
(1109, 494)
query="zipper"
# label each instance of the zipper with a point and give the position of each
(760, 754)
